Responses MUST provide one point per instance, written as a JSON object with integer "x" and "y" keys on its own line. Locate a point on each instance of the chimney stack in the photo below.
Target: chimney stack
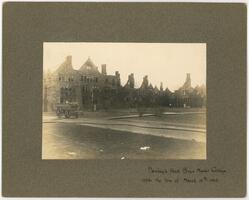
{"x": 103, "y": 69}
{"x": 117, "y": 74}
{"x": 161, "y": 86}
{"x": 131, "y": 80}
{"x": 69, "y": 60}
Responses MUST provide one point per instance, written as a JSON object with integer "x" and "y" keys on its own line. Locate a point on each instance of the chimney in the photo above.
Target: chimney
{"x": 103, "y": 69}
{"x": 117, "y": 74}
{"x": 69, "y": 60}
{"x": 188, "y": 79}
{"x": 161, "y": 86}
{"x": 131, "y": 80}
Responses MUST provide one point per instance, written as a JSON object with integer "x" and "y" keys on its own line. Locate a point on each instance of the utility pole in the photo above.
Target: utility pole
{"x": 93, "y": 105}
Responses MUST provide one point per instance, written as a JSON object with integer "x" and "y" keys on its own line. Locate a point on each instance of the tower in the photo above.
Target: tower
{"x": 187, "y": 84}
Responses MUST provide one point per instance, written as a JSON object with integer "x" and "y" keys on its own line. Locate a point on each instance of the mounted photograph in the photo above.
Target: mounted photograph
{"x": 124, "y": 101}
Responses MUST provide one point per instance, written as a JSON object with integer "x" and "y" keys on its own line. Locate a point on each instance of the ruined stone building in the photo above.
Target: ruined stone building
{"x": 187, "y": 96}
{"x": 93, "y": 89}
{"x": 84, "y": 86}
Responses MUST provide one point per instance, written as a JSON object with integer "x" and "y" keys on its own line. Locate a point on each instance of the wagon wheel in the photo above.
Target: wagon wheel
{"x": 67, "y": 114}
{"x": 76, "y": 115}
{"x": 58, "y": 113}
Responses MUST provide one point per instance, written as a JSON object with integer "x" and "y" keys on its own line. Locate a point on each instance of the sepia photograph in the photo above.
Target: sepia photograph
{"x": 124, "y": 101}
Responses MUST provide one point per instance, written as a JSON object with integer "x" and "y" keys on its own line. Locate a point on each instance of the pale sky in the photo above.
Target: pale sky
{"x": 162, "y": 62}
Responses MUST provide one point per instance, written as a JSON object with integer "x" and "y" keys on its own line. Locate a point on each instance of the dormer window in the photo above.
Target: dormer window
{"x": 88, "y": 67}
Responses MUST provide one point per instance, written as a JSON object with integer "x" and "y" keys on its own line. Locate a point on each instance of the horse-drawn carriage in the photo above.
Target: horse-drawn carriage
{"x": 68, "y": 110}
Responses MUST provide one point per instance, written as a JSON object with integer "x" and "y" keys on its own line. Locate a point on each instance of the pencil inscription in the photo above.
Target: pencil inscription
{"x": 184, "y": 175}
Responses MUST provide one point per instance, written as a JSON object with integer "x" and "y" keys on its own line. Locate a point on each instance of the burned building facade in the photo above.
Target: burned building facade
{"x": 86, "y": 86}
{"x": 94, "y": 90}
{"x": 187, "y": 96}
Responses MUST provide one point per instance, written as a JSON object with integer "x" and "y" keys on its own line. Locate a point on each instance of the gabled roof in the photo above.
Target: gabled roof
{"x": 156, "y": 89}
{"x": 89, "y": 67}
{"x": 167, "y": 90}
{"x": 151, "y": 86}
